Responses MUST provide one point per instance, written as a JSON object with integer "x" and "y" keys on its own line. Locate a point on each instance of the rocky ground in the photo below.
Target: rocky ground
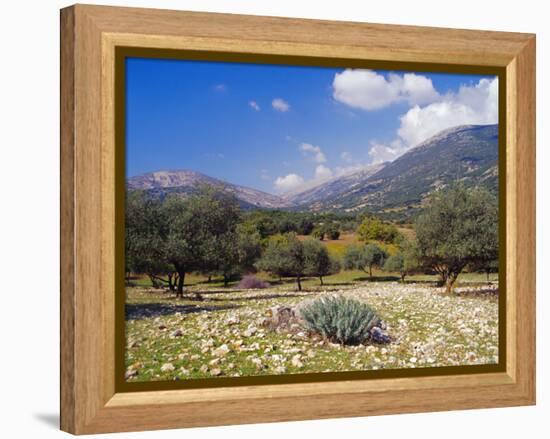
{"x": 226, "y": 334}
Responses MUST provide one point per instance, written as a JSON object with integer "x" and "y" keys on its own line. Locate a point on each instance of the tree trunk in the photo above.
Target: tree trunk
{"x": 209, "y": 278}
{"x": 402, "y": 278}
{"x": 225, "y": 280}
{"x": 370, "y": 272}
{"x": 171, "y": 284}
{"x": 450, "y": 281}
{"x": 181, "y": 280}
{"x": 299, "y": 283}
{"x": 321, "y": 279}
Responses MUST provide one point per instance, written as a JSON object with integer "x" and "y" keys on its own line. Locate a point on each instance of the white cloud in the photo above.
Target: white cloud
{"x": 264, "y": 175}
{"x": 368, "y": 90}
{"x": 315, "y": 151}
{"x": 346, "y": 156}
{"x": 322, "y": 173}
{"x": 289, "y": 183}
{"x": 254, "y": 105}
{"x": 471, "y": 105}
{"x": 220, "y": 87}
{"x": 475, "y": 104}
{"x": 280, "y": 105}
{"x": 380, "y": 153}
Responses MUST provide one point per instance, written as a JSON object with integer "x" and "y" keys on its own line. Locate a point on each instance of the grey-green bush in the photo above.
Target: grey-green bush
{"x": 340, "y": 319}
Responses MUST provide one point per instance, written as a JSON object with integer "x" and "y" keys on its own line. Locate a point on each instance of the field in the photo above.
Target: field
{"x": 224, "y": 334}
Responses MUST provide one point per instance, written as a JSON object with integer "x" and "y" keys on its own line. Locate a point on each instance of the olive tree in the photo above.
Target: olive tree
{"x": 201, "y": 233}
{"x": 284, "y": 256}
{"x": 146, "y": 232}
{"x": 364, "y": 257}
{"x": 458, "y": 227}
{"x": 318, "y": 262}
{"x": 405, "y": 262}
{"x": 372, "y": 229}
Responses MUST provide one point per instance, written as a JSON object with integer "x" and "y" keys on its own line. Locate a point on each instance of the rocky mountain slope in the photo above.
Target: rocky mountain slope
{"x": 465, "y": 153}
{"x": 185, "y": 182}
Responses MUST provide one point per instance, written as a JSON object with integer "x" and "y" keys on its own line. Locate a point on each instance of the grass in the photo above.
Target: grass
{"x": 434, "y": 329}
{"x": 343, "y": 278}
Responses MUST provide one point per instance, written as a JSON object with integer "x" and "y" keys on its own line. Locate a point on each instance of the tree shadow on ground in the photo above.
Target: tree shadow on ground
{"x": 335, "y": 284}
{"x": 377, "y": 279}
{"x": 465, "y": 292}
{"x": 433, "y": 283}
{"x": 260, "y": 296}
{"x": 151, "y": 310}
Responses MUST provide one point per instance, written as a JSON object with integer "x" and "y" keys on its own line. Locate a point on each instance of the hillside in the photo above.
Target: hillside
{"x": 185, "y": 182}
{"x": 393, "y": 189}
{"x": 333, "y": 187}
{"x": 466, "y": 153}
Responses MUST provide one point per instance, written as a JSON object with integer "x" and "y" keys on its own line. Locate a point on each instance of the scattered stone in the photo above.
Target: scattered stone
{"x": 131, "y": 373}
{"x": 232, "y": 320}
{"x": 222, "y": 351}
{"x": 296, "y": 361}
{"x": 250, "y": 331}
{"x": 257, "y": 362}
{"x": 176, "y": 333}
{"x": 379, "y": 336}
{"x": 215, "y": 372}
{"x": 167, "y": 367}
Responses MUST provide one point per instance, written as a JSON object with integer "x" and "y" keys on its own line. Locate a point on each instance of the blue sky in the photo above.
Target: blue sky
{"x": 284, "y": 128}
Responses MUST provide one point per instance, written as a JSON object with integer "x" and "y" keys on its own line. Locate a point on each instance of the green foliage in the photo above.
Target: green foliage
{"x": 317, "y": 260}
{"x": 146, "y": 233}
{"x": 269, "y": 223}
{"x": 340, "y": 319}
{"x": 459, "y": 227}
{"x": 395, "y": 263}
{"x": 405, "y": 262}
{"x": 318, "y": 232}
{"x": 284, "y": 256}
{"x": 372, "y": 229}
{"x": 328, "y": 230}
{"x": 332, "y": 231}
{"x": 198, "y": 233}
{"x": 363, "y": 257}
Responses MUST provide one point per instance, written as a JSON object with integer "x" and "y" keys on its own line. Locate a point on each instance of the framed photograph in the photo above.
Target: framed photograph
{"x": 268, "y": 219}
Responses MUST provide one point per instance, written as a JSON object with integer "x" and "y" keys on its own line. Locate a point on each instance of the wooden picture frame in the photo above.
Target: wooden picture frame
{"x": 90, "y": 36}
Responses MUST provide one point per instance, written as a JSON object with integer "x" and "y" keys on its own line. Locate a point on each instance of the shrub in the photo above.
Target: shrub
{"x": 340, "y": 319}
{"x": 372, "y": 229}
{"x": 251, "y": 282}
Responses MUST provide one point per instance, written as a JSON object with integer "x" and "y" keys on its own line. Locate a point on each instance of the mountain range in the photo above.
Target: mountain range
{"x": 467, "y": 153}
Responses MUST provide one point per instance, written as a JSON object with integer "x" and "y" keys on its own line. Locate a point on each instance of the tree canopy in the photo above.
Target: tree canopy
{"x": 458, "y": 227}
{"x": 318, "y": 261}
{"x": 372, "y": 229}
{"x": 363, "y": 257}
{"x": 284, "y": 256}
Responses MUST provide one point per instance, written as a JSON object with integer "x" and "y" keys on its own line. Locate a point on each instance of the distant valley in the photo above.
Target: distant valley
{"x": 394, "y": 189}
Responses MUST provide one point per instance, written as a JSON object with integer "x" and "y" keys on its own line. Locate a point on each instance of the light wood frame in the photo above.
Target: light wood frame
{"x": 89, "y": 36}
